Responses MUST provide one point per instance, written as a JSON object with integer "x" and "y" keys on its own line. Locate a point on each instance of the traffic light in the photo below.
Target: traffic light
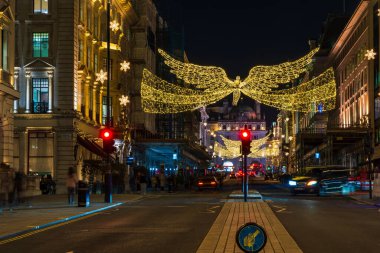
{"x": 108, "y": 140}
{"x": 245, "y": 137}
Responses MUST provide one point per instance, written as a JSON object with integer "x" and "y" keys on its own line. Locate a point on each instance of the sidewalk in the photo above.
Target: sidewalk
{"x": 48, "y": 210}
{"x": 363, "y": 197}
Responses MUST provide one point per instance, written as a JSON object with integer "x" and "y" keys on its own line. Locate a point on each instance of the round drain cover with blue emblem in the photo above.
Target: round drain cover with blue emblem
{"x": 251, "y": 237}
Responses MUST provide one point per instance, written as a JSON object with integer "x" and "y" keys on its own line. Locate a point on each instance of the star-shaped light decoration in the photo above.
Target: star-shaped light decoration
{"x": 114, "y": 25}
{"x": 101, "y": 76}
{"x": 370, "y": 54}
{"x": 124, "y": 66}
{"x": 124, "y": 100}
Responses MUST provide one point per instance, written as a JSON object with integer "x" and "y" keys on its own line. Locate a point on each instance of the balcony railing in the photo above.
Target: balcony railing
{"x": 40, "y": 107}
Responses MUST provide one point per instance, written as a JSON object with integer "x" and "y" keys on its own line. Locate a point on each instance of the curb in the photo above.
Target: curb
{"x": 8, "y": 236}
{"x": 367, "y": 202}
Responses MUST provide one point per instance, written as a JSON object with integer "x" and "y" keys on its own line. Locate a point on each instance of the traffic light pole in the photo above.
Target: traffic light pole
{"x": 245, "y": 178}
{"x": 108, "y": 173}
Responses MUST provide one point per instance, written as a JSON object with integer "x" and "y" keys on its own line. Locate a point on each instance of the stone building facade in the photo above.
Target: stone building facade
{"x": 61, "y": 46}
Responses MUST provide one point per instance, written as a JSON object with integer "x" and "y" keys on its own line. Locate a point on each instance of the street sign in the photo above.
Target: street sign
{"x": 251, "y": 237}
{"x": 130, "y": 160}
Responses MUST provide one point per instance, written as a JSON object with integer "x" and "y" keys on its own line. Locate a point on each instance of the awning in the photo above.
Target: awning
{"x": 91, "y": 146}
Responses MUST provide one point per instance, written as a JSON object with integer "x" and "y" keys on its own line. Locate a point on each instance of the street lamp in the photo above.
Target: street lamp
{"x": 108, "y": 173}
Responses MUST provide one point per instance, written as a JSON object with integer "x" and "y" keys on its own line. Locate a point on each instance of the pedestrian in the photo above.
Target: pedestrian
{"x": 17, "y": 187}
{"x": 154, "y": 181}
{"x": 143, "y": 182}
{"x": 71, "y": 184}
{"x": 162, "y": 181}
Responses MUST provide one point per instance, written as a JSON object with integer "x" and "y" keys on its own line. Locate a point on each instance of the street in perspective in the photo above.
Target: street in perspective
{"x": 189, "y": 126}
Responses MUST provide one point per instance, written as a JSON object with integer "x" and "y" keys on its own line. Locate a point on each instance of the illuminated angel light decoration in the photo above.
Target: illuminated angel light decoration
{"x": 370, "y": 54}
{"x": 101, "y": 76}
{"x": 114, "y": 25}
{"x": 125, "y": 66}
{"x": 231, "y": 148}
{"x": 208, "y": 84}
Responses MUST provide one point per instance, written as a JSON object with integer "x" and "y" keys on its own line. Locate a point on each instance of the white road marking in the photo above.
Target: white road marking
{"x": 211, "y": 209}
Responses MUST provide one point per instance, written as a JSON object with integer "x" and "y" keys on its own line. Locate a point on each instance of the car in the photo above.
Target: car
{"x": 232, "y": 175}
{"x": 207, "y": 182}
{"x": 321, "y": 181}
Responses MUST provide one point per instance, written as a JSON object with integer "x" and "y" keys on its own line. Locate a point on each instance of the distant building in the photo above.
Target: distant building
{"x": 227, "y": 121}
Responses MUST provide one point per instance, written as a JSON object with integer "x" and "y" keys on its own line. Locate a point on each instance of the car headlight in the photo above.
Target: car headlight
{"x": 292, "y": 183}
{"x": 312, "y": 182}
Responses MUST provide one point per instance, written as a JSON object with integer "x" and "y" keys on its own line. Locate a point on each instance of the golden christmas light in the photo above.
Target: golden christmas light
{"x": 370, "y": 54}
{"x": 114, "y": 25}
{"x": 124, "y": 100}
{"x": 208, "y": 84}
{"x": 125, "y": 66}
{"x": 101, "y": 76}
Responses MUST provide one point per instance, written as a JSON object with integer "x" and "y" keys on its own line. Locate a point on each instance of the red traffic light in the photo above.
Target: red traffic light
{"x": 245, "y": 135}
{"x": 106, "y": 134}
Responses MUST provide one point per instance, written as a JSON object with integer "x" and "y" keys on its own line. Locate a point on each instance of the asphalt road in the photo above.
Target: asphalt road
{"x": 159, "y": 223}
{"x": 179, "y": 222}
{"x": 326, "y": 224}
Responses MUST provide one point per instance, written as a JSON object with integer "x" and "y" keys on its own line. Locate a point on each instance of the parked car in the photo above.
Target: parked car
{"x": 209, "y": 182}
{"x": 321, "y": 181}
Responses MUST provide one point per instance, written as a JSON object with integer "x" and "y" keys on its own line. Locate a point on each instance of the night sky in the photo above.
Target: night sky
{"x": 237, "y": 35}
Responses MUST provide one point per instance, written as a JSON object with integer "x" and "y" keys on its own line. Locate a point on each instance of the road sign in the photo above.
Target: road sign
{"x": 130, "y": 160}
{"x": 251, "y": 237}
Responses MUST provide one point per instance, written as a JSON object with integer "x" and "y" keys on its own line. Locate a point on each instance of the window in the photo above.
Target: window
{"x": 95, "y": 63}
{"x": 105, "y": 66}
{"x": 89, "y": 56}
{"x": 80, "y": 51}
{"x": 96, "y": 26}
{"x": 89, "y": 18}
{"x": 4, "y": 49}
{"x": 41, "y": 152}
{"x": 40, "y": 95}
{"x": 81, "y": 10}
{"x": 41, "y": 6}
{"x": 40, "y": 44}
{"x": 104, "y": 110}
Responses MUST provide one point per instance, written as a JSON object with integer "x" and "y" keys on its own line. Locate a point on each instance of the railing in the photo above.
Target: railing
{"x": 40, "y": 107}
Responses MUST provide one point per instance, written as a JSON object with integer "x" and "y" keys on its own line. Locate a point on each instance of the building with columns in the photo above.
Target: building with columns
{"x": 61, "y": 46}
{"x": 8, "y": 82}
{"x": 227, "y": 121}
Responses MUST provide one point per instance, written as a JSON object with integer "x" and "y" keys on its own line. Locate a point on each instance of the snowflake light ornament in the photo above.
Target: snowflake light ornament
{"x": 101, "y": 76}
{"x": 370, "y": 54}
{"x": 114, "y": 25}
{"x": 124, "y": 100}
{"x": 125, "y": 66}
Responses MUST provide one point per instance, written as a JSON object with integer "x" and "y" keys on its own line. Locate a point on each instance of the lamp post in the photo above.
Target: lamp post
{"x": 108, "y": 173}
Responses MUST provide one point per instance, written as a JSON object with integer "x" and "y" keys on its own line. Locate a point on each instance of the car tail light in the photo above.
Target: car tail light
{"x": 200, "y": 183}
{"x": 213, "y": 182}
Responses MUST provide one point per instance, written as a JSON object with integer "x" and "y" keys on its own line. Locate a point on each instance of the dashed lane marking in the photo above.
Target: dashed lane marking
{"x": 211, "y": 209}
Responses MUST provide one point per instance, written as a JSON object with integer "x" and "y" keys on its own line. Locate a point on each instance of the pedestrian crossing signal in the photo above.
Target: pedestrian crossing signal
{"x": 245, "y": 137}
{"x": 107, "y": 136}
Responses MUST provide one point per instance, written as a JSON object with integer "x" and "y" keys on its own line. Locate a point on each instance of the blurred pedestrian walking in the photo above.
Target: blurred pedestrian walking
{"x": 71, "y": 184}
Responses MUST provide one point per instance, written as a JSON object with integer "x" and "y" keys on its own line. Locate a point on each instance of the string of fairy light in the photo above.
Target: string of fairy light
{"x": 208, "y": 84}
